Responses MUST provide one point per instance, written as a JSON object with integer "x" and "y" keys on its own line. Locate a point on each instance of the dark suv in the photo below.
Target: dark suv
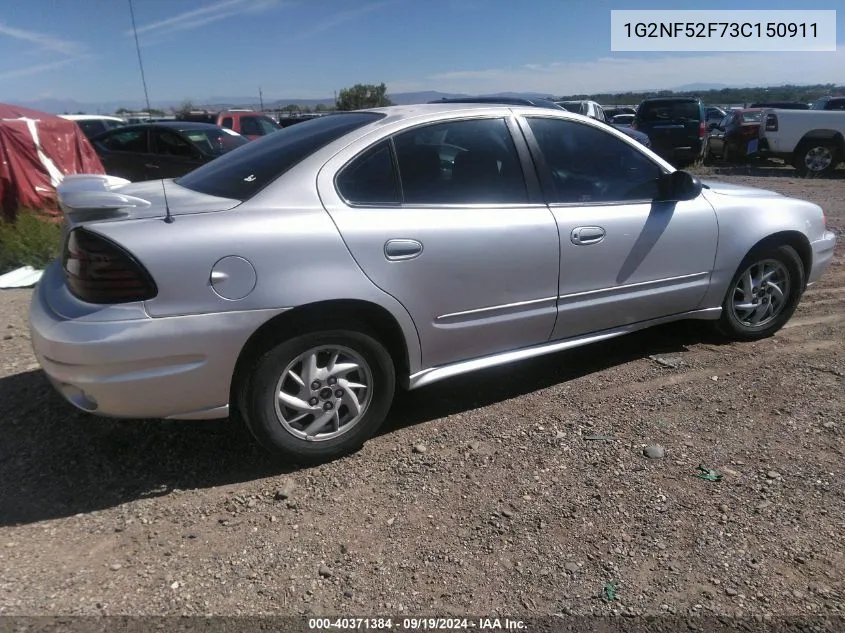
{"x": 829, "y": 103}
{"x": 675, "y": 125}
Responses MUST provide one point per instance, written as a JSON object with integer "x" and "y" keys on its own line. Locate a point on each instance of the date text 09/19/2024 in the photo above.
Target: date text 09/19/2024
{"x": 416, "y": 624}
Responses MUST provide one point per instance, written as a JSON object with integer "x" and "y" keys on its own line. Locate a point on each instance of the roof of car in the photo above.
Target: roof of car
{"x": 176, "y": 125}
{"x": 90, "y": 117}
{"x": 528, "y": 101}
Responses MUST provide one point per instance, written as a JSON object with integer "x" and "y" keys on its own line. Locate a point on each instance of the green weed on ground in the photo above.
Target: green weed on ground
{"x": 32, "y": 240}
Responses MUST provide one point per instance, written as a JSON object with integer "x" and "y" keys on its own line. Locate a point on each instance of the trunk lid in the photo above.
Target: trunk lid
{"x": 93, "y": 197}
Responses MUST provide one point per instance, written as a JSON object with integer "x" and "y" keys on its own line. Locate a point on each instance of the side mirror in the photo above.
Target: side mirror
{"x": 677, "y": 187}
{"x": 712, "y": 125}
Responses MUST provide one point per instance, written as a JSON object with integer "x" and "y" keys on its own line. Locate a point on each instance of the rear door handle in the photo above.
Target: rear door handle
{"x": 584, "y": 235}
{"x": 151, "y": 166}
{"x": 401, "y": 249}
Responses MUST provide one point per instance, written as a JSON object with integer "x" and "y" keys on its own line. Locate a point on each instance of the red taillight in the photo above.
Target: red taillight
{"x": 702, "y": 130}
{"x": 771, "y": 122}
{"x": 99, "y": 271}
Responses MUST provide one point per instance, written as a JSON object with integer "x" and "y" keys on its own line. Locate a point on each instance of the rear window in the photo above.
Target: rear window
{"x": 669, "y": 111}
{"x": 752, "y": 117}
{"x": 246, "y": 171}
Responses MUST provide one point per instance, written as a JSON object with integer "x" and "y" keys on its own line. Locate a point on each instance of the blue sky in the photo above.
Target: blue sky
{"x": 197, "y": 49}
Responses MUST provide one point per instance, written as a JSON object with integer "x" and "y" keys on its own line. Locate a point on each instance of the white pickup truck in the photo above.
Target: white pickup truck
{"x": 812, "y": 141}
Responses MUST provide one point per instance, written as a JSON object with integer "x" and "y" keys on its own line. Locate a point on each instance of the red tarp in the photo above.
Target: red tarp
{"x": 36, "y": 151}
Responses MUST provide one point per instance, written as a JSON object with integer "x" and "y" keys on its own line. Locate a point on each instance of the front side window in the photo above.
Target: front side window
{"x": 460, "y": 162}
{"x": 591, "y": 165}
{"x": 250, "y": 127}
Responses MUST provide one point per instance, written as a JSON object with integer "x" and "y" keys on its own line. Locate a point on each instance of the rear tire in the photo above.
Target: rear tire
{"x": 763, "y": 293}
{"x": 816, "y": 158}
{"x": 318, "y": 396}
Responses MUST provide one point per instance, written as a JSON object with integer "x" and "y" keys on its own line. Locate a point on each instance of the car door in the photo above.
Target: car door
{"x": 440, "y": 217}
{"x": 716, "y": 136}
{"x": 125, "y": 152}
{"x": 174, "y": 155}
{"x": 624, "y": 258}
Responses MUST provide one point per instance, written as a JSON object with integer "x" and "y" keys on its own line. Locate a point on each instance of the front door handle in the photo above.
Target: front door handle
{"x": 151, "y": 166}
{"x": 401, "y": 249}
{"x": 583, "y": 235}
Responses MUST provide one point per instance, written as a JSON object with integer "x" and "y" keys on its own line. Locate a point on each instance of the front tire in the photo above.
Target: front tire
{"x": 763, "y": 293}
{"x": 319, "y": 396}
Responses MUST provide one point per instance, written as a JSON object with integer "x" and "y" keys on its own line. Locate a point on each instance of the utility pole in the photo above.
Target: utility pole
{"x": 261, "y": 98}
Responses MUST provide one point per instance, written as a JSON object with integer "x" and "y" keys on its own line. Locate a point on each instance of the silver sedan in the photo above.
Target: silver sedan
{"x": 298, "y": 281}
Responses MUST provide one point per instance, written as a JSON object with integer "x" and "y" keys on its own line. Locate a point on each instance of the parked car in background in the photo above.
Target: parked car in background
{"x": 163, "y": 150}
{"x": 585, "y": 107}
{"x": 675, "y": 125}
{"x": 528, "y": 241}
{"x": 735, "y": 137}
{"x": 247, "y": 123}
{"x": 94, "y": 124}
{"x": 809, "y": 140}
{"x": 714, "y": 114}
{"x": 781, "y": 105}
{"x": 612, "y": 111}
{"x": 622, "y": 119}
{"x": 292, "y": 119}
{"x": 528, "y": 101}
{"x": 829, "y": 103}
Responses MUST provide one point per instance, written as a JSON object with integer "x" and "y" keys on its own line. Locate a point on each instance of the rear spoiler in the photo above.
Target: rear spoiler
{"x": 85, "y": 197}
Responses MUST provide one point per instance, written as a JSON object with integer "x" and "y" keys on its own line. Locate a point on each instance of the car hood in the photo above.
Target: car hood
{"x": 725, "y": 189}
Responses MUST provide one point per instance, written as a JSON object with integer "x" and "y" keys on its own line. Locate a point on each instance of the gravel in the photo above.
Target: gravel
{"x": 480, "y": 496}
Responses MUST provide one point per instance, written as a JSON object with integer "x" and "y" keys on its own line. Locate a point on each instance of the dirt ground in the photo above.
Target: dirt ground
{"x": 531, "y": 494}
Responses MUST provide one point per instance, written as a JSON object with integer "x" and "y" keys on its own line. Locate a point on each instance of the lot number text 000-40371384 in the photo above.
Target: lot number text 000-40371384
{"x": 685, "y": 30}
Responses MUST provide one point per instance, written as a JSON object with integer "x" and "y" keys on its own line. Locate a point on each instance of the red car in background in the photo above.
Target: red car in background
{"x": 247, "y": 123}
{"x": 735, "y": 137}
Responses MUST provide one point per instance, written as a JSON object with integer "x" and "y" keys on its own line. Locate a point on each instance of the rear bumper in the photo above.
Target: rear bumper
{"x": 822, "y": 254}
{"x": 170, "y": 367}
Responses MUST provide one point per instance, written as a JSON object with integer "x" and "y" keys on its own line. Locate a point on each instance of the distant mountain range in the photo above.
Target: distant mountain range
{"x": 60, "y": 106}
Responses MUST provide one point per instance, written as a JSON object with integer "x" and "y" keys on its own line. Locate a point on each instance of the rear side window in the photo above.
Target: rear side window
{"x": 669, "y": 111}
{"x": 460, "y": 162}
{"x": 246, "y": 171}
{"x": 135, "y": 141}
{"x": 370, "y": 178}
{"x": 92, "y": 128}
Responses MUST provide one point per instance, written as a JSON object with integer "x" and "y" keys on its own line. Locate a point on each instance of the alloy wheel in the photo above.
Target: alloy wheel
{"x": 818, "y": 158}
{"x": 761, "y": 293}
{"x": 323, "y": 393}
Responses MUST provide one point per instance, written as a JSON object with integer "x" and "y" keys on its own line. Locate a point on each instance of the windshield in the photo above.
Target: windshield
{"x": 214, "y": 141}
{"x": 242, "y": 174}
{"x": 669, "y": 111}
